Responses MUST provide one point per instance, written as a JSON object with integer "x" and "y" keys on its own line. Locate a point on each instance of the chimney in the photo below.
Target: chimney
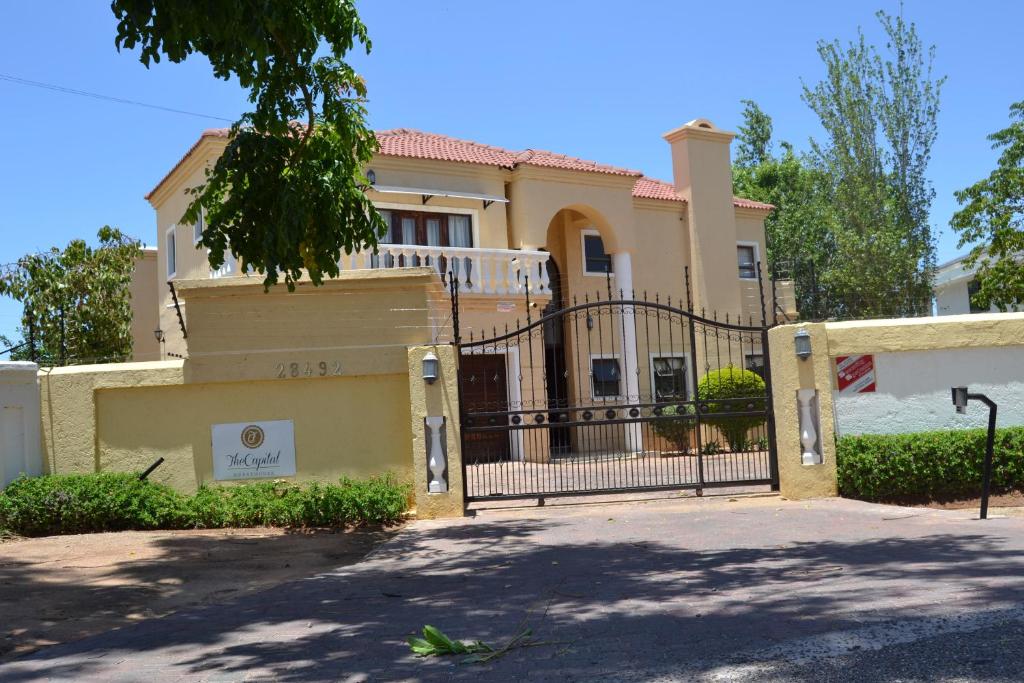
{"x": 702, "y": 174}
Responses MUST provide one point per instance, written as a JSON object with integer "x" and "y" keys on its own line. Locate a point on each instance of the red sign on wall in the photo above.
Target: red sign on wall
{"x": 855, "y": 374}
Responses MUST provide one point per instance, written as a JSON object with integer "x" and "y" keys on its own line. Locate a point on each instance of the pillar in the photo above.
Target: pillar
{"x": 622, "y": 266}
{"x": 806, "y": 470}
{"x": 434, "y": 409}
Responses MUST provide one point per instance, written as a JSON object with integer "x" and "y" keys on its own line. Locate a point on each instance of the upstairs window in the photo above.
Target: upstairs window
{"x": 171, "y": 251}
{"x": 747, "y": 256}
{"x": 197, "y": 229}
{"x": 972, "y": 289}
{"x": 595, "y": 260}
{"x": 427, "y": 229}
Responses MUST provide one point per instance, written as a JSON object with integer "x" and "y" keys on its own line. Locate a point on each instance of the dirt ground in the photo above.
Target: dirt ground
{"x": 62, "y": 588}
{"x": 1011, "y": 504}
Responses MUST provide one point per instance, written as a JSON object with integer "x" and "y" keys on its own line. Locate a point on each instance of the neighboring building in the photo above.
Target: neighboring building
{"x": 953, "y": 288}
{"x": 575, "y": 227}
{"x": 145, "y": 307}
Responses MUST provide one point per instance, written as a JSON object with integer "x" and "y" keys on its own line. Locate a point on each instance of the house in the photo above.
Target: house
{"x": 954, "y": 286}
{"x": 528, "y": 232}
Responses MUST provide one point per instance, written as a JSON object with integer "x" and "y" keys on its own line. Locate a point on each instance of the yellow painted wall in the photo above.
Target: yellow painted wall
{"x": 352, "y": 426}
{"x": 858, "y": 337}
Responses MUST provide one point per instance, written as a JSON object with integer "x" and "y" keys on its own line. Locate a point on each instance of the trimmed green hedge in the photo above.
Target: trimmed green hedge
{"x": 927, "y": 465}
{"x": 88, "y": 503}
{"x": 732, "y": 382}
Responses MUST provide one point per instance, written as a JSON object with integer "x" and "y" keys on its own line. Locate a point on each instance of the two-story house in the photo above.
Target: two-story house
{"x": 565, "y": 229}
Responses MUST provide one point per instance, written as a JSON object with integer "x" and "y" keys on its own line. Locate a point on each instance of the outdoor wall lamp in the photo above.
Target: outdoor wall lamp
{"x": 802, "y": 341}
{"x": 430, "y": 365}
{"x": 159, "y": 334}
{"x": 371, "y": 176}
{"x": 960, "y": 398}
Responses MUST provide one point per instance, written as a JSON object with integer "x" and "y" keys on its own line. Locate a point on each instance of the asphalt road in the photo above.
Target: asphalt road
{"x": 753, "y": 590}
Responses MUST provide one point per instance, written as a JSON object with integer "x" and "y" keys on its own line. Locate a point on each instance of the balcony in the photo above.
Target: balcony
{"x": 479, "y": 271}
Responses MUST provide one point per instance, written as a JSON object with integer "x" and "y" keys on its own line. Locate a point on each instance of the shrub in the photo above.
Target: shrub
{"x": 731, "y": 382}
{"x": 85, "y": 503}
{"x": 677, "y": 429}
{"x": 940, "y": 465}
{"x": 76, "y": 504}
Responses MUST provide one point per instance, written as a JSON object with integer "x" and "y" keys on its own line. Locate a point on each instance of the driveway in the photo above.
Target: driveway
{"x": 674, "y": 590}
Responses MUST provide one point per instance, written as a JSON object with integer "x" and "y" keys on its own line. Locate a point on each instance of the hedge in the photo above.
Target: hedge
{"x": 732, "y": 382}
{"x": 88, "y": 503}
{"x": 944, "y": 465}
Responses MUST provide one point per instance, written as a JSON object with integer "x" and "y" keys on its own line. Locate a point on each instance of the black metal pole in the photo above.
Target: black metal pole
{"x": 986, "y": 480}
{"x": 30, "y": 320}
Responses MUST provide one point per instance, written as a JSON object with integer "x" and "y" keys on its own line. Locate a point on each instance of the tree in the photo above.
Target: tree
{"x": 78, "y": 300}
{"x": 287, "y": 195}
{"x": 755, "y": 137}
{"x": 798, "y": 231}
{"x": 992, "y": 218}
{"x": 879, "y": 117}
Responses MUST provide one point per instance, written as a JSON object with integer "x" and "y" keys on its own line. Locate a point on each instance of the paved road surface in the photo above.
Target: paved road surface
{"x": 757, "y": 589}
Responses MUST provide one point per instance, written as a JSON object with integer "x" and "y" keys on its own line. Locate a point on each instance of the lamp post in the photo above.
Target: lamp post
{"x": 960, "y": 399}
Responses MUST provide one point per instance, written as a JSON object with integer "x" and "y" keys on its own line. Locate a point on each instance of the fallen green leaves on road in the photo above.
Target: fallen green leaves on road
{"x": 435, "y": 643}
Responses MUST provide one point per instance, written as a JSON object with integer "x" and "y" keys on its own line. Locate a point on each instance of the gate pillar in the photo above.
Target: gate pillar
{"x": 436, "y": 442}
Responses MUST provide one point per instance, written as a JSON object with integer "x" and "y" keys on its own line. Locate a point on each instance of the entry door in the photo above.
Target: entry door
{"x": 485, "y": 390}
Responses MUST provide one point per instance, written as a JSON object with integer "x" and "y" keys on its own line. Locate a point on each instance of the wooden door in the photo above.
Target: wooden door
{"x": 485, "y": 390}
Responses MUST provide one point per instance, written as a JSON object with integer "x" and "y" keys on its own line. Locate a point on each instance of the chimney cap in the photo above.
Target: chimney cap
{"x": 701, "y": 129}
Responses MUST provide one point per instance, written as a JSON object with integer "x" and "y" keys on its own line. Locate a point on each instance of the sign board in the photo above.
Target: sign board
{"x": 506, "y": 307}
{"x": 254, "y": 450}
{"x": 855, "y": 374}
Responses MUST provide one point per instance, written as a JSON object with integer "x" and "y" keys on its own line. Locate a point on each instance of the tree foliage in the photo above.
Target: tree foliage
{"x": 89, "y": 288}
{"x": 799, "y": 230}
{"x": 992, "y": 218}
{"x": 287, "y": 195}
{"x": 879, "y": 116}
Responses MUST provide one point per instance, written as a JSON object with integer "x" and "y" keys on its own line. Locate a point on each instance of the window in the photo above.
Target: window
{"x": 972, "y": 289}
{"x": 595, "y": 261}
{"x": 197, "y": 229}
{"x": 755, "y": 363}
{"x": 605, "y": 375}
{"x": 427, "y": 229}
{"x": 172, "y": 260}
{"x": 747, "y": 256}
{"x": 669, "y": 378}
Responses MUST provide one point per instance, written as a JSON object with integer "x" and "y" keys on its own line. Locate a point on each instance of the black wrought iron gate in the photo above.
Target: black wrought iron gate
{"x": 616, "y": 395}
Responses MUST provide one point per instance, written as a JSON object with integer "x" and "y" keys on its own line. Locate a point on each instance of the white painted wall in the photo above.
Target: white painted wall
{"x": 913, "y": 391}
{"x": 20, "y": 447}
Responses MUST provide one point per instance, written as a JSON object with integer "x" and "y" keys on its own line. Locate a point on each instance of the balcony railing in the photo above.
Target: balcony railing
{"x": 478, "y": 271}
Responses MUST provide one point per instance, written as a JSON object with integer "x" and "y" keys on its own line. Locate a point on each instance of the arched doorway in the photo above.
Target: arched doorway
{"x": 555, "y": 368}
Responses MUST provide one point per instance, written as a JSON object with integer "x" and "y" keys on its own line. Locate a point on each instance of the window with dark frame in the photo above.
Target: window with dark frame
{"x": 427, "y": 229}
{"x": 755, "y": 363}
{"x": 670, "y": 378}
{"x": 605, "y": 374}
{"x": 747, "y": 261}
{"x": 972, "y": 289}
{"x": 595, "y": 260}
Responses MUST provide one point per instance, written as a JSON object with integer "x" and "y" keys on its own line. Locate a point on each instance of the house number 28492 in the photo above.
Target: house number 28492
{"x": 308, "y": 369}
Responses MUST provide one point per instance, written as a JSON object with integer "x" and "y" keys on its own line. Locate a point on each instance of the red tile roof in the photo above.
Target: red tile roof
{"x": 649, "y": 188}
{"x": 405, "y": 142}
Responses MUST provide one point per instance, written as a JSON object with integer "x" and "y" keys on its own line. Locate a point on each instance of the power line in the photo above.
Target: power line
{"x": 106, "y": 98}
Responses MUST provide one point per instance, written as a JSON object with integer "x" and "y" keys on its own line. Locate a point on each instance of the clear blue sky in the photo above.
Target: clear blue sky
{"x": 572, "y": 77}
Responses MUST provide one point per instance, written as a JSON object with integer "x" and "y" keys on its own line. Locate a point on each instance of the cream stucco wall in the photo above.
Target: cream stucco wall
{"x": 145, "y": 302}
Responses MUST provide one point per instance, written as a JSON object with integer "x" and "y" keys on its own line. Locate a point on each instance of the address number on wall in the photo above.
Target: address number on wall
{"x": 321, "y": 368}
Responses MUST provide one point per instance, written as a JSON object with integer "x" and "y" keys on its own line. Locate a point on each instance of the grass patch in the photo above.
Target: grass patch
{"x": 924, "y": 466}
{"x": 89, "y": 503}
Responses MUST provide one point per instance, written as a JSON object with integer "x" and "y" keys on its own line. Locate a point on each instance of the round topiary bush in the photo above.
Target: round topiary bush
{"x": 677, "y": 429}
{"x": 732, "y": 382}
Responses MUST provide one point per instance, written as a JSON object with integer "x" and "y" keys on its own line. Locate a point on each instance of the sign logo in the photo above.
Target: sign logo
{"x": 855, "y": 374}
{"x": 252, "y": 436}
{"x": 253, "y": 450}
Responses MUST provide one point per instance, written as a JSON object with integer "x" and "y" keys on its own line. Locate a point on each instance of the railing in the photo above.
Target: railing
{"x": 478, "y": 271}
{"x": 228, "y": 268}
